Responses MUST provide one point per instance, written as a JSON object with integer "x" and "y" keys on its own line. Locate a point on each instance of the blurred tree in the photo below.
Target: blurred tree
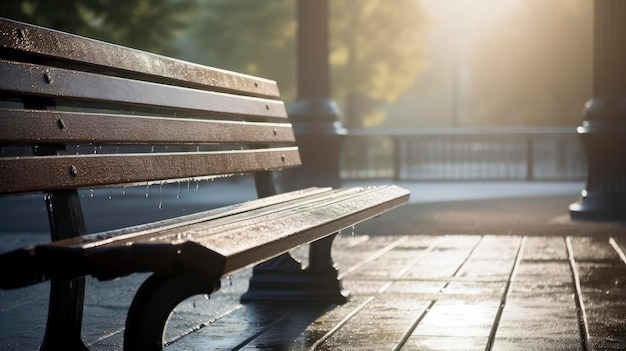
{"x": 144, "y": 24}
{"x": 375, "y": 55}
{"x": 535, "y": 69}
{"x": 256, "y": 37}
{"x": 375, "y": 48}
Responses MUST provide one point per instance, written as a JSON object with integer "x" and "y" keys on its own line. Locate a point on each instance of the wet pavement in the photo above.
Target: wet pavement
{"x": 489, "y": 273}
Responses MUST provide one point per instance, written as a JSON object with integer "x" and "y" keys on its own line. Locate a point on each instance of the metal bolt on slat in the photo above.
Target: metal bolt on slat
{"x": 73, "y": 171}
{"x": 47, "y": 77}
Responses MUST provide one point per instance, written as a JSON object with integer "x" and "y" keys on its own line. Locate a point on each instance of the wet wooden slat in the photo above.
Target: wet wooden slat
{"x": 23, "y": 174}
{"x": 39, "y": 126}
{"x": 51, "y": 82}
{"x": 27, "y": 39}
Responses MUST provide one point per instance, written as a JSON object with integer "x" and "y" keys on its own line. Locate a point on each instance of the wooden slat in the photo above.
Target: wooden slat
{"x": 28, "y": 39}
{"x": 23, "y": 78}
{"x": 303, "y": 226}
{"x": 129, "y": 234}
{"x": 26, "y": 174}
{"x": 257, "y": 211}
{"x": 39, "y": 126}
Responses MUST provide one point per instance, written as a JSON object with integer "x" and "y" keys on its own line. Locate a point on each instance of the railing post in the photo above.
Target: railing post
{"x": 397, "y": 157}
{"x": 603, "y": 133}
{"x": 530, "y": 159}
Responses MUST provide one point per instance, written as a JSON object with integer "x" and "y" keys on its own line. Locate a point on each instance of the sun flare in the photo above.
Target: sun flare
{"x": 468, "y": 17}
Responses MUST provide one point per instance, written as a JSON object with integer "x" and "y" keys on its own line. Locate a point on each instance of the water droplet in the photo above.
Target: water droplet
{"x": 193, "y": 304}
{"x": 90, "y": 192}
{"x": 178, "y": 193}
{"x": 353, "y": 232}
{"x": 152, "y": 149}
{"x": 197, "y": 148}
{"x": 147, "y": 190}
{"x": 207, "y": 296}
{"x": 188, "y": 185}
{"x": 230, "y": 280}
{"x": 197, "y": 185}
{"x": 124, "y": 190}
{"x": 161, "y": 195}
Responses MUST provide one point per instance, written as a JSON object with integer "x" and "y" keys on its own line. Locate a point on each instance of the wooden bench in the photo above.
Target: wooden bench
{"x": 59, "y": 91}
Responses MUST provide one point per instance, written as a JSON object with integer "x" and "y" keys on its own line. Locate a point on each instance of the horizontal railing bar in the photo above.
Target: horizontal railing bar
{"x": 464, "y": 154}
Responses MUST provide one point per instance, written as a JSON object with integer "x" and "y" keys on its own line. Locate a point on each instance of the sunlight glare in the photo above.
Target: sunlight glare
{"x": 468, "y": 17}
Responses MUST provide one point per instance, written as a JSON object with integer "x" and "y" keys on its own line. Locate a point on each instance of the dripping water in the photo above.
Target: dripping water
{"x": 161, "y": 195}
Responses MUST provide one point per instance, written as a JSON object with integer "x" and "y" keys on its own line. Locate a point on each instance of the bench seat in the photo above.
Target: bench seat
{"x": 214, "y": 243}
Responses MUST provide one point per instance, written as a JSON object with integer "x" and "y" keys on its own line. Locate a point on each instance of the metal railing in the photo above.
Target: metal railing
{"x": 553, "y": 153}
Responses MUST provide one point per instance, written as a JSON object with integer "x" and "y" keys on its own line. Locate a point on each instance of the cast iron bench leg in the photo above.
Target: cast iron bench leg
{"x": 65, "y": 310}
{"x": 154, "y": 302}
{"x": 282, "y": 278}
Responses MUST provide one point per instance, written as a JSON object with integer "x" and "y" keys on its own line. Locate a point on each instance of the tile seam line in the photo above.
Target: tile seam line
{"x": 496, "y": 322}
{"x": 407, "y": 334}
{"x": 618, "y": 249}
{"x": 580, "y": 305}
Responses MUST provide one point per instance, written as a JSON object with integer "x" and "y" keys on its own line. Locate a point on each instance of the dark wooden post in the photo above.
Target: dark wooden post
{"x": 603, "y": 132}
{"x": 314, "y": 114}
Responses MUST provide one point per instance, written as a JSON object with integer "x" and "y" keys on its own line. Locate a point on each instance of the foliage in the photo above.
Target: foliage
{"x": 144, "y": 24}
{"x": 256, "y": 37}
{"x": 374, "y": 47}
{"x": 535, "y": 69}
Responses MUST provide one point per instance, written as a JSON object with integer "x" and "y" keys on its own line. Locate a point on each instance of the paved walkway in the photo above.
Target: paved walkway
{"x": 505, "y": 272}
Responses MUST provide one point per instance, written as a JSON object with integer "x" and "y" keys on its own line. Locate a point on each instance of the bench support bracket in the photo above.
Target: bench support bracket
{"x": 283, "y": 279}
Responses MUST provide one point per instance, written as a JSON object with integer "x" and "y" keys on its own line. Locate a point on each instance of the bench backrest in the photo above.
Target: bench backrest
{"x": 97, "y": 114}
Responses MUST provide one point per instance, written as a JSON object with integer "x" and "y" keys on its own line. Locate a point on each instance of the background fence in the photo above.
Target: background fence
{"x": 553, "y": 153}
